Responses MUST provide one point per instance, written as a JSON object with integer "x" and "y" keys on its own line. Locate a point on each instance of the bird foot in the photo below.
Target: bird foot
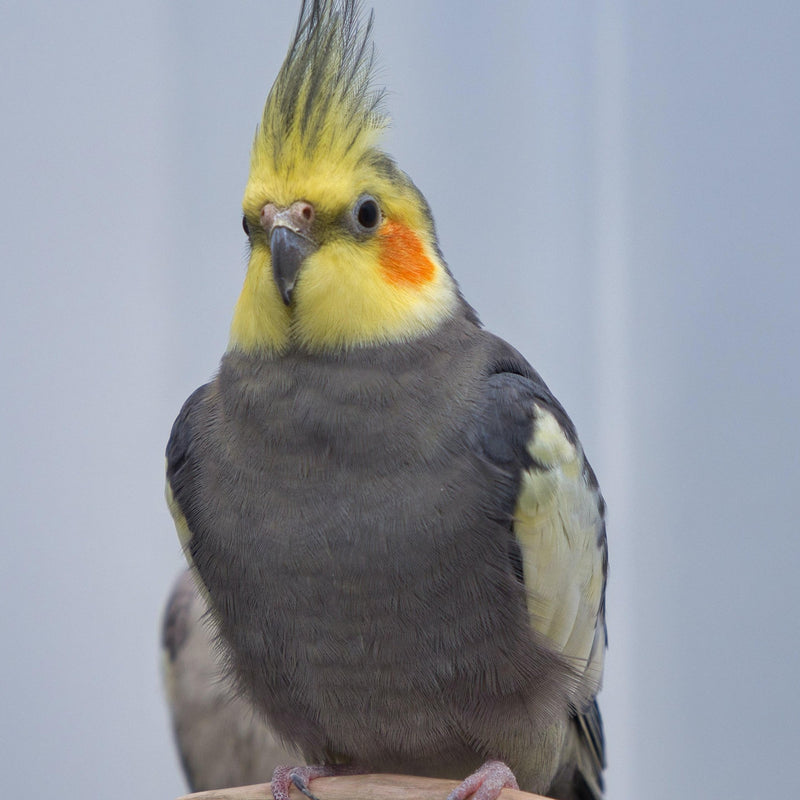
{"x": 486, "y": 783}
{"x": 285, "y": 777}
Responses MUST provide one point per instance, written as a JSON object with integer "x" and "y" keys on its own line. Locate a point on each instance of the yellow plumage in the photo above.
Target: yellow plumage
{"x": 554, "y": 522}
{"x": 322, "y": 117}
{"x": 318, "y": 142}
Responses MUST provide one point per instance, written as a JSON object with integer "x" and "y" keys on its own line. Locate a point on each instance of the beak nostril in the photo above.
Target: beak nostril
{"x": 299, "y": 217}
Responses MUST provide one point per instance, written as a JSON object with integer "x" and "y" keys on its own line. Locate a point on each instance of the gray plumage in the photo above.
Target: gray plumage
{"x": 401, "y": 540}
{"x": 222, "y": 741}
{"x": 367, "y": 524}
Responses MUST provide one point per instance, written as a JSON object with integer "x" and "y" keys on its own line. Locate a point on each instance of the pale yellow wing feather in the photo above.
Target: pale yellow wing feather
{"x": 559, "y": 528}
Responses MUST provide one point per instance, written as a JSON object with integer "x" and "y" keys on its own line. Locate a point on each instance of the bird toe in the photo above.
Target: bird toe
{"x": 486, "y": 783}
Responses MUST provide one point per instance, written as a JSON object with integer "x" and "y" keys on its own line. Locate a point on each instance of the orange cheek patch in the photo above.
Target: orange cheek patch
{"x": 402, "y": 257}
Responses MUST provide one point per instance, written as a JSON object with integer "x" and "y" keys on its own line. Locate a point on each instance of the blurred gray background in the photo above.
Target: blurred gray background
{"x": 616, "y": 188}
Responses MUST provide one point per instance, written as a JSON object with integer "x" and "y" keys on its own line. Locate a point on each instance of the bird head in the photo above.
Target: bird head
{"x": 343, "y": 250}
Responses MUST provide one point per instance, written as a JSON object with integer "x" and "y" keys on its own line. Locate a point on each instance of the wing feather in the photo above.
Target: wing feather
{"x": 558, "y": 522}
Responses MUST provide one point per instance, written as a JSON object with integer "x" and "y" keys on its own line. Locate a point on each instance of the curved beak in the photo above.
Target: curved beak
{"x": 289, "y": 250}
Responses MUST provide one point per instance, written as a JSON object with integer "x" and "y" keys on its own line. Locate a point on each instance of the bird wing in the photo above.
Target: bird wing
{"x": 221, "y": 738}
{"x": 559, "y": 525}
{"x": 181, "y": 484}
{"x": 557, "y": 517}
{"x": 559, "y": 553}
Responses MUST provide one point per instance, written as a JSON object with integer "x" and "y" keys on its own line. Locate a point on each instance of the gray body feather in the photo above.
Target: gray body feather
{"x": 221, "y": 738}
{"x": 352, "y": 518}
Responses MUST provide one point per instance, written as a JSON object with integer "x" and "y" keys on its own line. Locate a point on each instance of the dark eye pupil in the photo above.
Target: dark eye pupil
{"x": 245, "y": 226}
{"x": 368, "y": 214}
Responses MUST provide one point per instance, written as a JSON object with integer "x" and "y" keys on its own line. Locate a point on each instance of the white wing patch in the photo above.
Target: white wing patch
{"x": 557, "y": 523}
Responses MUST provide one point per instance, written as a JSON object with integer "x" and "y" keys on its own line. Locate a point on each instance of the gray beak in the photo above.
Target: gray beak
{"x": 288, "y": 250}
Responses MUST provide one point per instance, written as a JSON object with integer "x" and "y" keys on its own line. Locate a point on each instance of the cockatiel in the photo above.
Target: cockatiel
{"x": 222, "y": 740}
{"x": 401, "y": 539}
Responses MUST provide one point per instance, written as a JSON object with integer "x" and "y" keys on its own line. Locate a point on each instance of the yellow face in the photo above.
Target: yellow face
{"x": 343, "y": 252}
{"x": 373, "y": 274}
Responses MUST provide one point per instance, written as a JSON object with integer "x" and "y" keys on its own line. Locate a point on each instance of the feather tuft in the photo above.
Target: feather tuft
{"x": 323, "y": 104}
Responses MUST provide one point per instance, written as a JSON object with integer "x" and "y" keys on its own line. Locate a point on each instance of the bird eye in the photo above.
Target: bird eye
{"x": 245, "y": 225}
{"x": 367, "y": 213}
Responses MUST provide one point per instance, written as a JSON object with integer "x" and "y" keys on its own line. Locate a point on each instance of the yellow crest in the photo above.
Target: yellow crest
{"x": 322, "y": 107}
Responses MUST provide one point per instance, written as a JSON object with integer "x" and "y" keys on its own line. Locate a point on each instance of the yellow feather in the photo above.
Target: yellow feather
{"x": 323, "y": 114}
{"x": 182, "y": 526}
{"x": 556, "y": 525}
{"x": 318, "y": 142}
{"x": 261, "y": 320}
{"x": 344, "y": 301}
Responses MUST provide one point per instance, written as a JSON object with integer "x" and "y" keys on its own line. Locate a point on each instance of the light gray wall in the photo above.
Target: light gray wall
{"x": 615, "y": 186}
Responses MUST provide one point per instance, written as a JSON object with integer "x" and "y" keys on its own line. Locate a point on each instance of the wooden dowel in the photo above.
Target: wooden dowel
{"x": 359, "y": 787}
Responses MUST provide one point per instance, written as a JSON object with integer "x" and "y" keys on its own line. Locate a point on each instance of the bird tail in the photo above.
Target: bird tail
{"x": 583, "y": 758}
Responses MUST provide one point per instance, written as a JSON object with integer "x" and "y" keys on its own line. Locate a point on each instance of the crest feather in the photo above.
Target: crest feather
{"x": 323, "y": 103}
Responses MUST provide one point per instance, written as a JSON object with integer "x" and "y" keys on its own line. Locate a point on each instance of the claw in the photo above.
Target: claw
{"x": 486, "y": 783}
{"x": 300, "y": 777}
{"x": 303, "y": 786}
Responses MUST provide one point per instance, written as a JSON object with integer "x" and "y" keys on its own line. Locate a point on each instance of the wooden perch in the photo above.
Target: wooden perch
{"x": 359, "y": 787}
